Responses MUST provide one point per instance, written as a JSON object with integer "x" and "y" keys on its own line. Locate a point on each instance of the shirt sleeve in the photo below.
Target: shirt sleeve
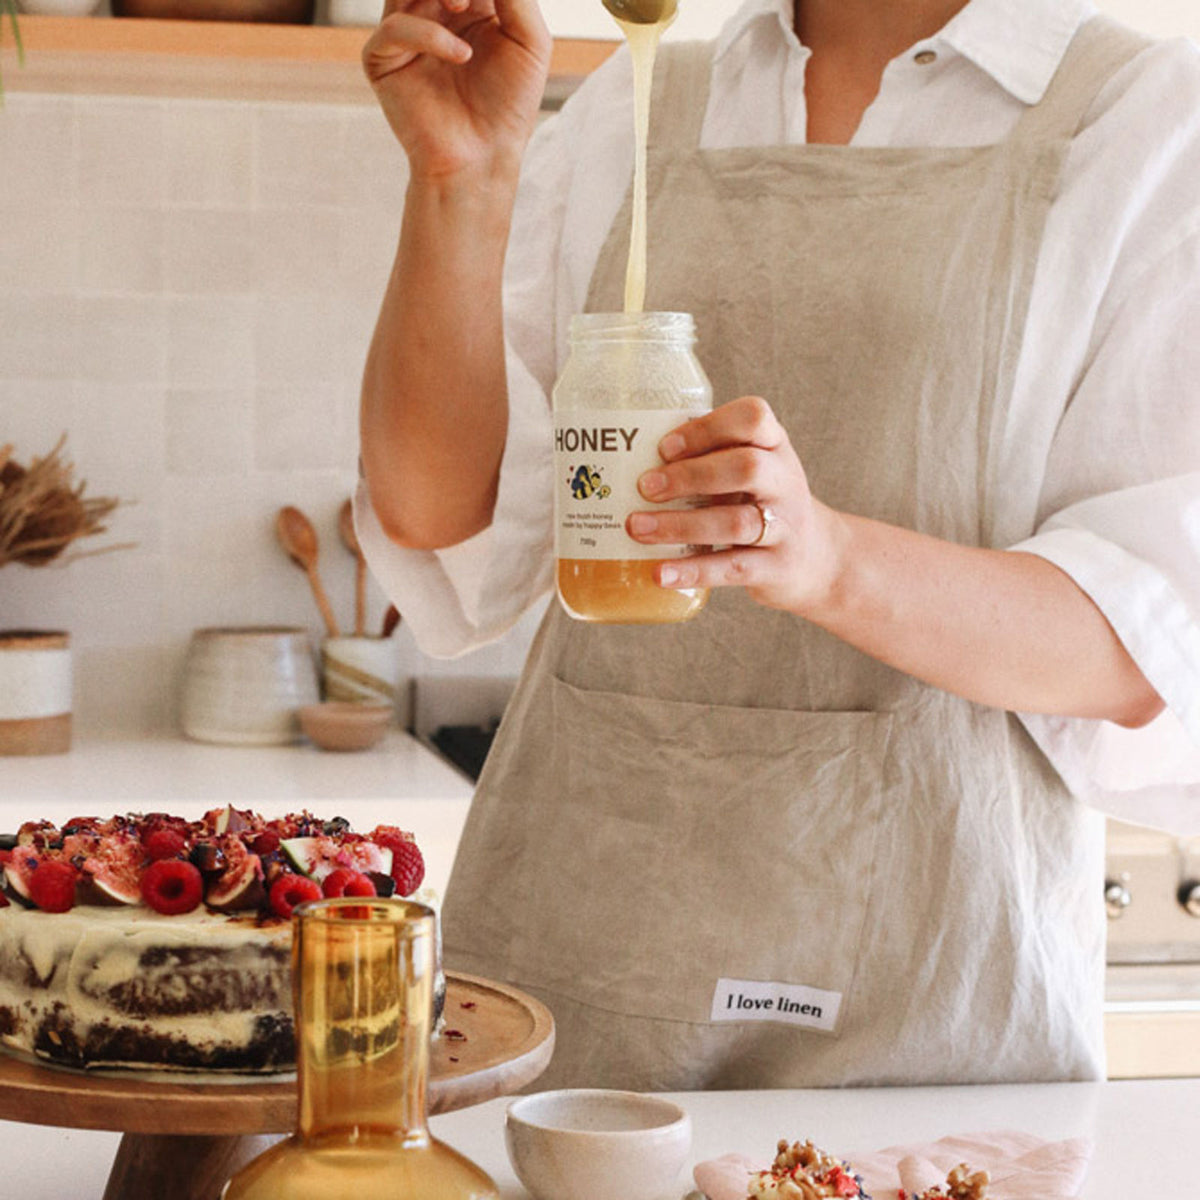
{"x": 1121, "y": 510}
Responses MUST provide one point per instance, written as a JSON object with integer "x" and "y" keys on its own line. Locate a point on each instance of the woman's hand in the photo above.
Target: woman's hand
{"x": 460, "y": 81}
{"x": 782, "y": 545}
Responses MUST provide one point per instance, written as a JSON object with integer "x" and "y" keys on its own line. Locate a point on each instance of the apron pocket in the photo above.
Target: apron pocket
{"x": 717, "y": 860}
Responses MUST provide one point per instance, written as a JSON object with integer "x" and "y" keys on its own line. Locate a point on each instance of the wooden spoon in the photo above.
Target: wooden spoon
{"x": 391, "y": 619}
{"x": 299, "y": 539}
{"x": 350, "y": 541}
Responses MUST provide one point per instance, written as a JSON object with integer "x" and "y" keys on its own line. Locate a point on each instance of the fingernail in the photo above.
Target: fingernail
{"x": 668, "y": 576}
{"x": 652, "y": 483}
{"x": 672, "y": 446}
{"x": 642, "y": 523}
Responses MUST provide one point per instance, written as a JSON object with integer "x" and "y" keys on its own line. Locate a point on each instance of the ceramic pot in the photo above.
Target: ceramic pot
{"x": 246, "y": 685}
{"x": 59, "y": 8}
{"x": 35, "y": 692}
{"x": 365, "y": 670}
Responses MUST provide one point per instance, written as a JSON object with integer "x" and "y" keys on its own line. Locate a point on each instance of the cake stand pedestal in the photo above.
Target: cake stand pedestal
{"x": 184, "y": 1136}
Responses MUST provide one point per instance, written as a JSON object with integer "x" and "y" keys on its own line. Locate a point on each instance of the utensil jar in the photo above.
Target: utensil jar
{"x": 363, "y": 975}
{"x": 629, "y": 379}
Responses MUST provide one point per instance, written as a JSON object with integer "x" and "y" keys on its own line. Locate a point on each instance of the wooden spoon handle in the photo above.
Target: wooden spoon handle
{"x": 331, "y": 625}
{"x": 360, "y": 595}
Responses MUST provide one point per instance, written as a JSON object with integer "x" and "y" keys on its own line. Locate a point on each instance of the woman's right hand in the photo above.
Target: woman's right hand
{"x": 460, "y": 81}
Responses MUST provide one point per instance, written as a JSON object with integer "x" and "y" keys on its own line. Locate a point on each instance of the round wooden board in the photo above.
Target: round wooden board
{"x": 496, "y": 1040}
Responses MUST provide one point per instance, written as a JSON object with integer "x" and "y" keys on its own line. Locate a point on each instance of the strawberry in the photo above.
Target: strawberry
{"x": 171, "y": 886}
{"x": 290, "y": 890}
{"x": 52, "y": 886}
{"x": 345, "y": 882}
{"x": 408, "y": 865}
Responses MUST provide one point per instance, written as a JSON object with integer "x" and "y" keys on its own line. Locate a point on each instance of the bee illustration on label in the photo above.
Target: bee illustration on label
{"x": 586, "y": 483}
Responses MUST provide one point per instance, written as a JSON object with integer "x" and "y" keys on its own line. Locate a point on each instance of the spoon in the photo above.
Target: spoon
{"x": 350, "y": 541}
{"x": 391, "y": 619}
{"x": 299, "y": 539}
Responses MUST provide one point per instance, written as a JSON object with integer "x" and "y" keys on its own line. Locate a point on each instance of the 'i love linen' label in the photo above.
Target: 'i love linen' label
{"x": 762, "y": 1000}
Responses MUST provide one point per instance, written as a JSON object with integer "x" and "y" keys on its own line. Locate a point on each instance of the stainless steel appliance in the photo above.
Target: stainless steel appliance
{"x": 1152, "y": 994}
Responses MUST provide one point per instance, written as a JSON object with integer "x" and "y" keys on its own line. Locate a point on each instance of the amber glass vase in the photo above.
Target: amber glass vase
{"x": 363, "y": 982}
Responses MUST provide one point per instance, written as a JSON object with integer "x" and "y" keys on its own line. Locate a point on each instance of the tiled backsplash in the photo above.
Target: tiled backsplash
{"x": 187, "y": 290}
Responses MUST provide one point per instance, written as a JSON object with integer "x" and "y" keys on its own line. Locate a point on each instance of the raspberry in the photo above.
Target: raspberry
{"x": 289, "y": 890}
{"x": 266, "y": 842}
{"x": 408, "y": 867}
{"x": 171, "y": 886}
{"x": 164, "y": 843}
{"x": 52, "y": 886}
{"x": 345, "y": 882}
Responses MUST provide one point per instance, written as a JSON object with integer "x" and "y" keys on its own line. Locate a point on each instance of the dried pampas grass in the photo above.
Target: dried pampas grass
{"x": 42, "y": 511}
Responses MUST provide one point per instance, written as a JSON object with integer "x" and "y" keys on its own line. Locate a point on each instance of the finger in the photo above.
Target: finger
{"x": 522, "y": 20}
{"x": 402, "y": 37}
{"x": 741, "y": 567}
{"x": 741, "y": 469}
{"x": 713, "y": 525}
{"x": 747, "y": 421}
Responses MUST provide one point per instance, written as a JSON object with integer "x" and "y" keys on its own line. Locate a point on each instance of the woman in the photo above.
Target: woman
{"x": 944, "y": 262}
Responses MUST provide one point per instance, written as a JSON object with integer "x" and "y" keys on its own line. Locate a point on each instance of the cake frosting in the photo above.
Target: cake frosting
{"x": 802, "y": 1172}
{"x": 151, "y": 942}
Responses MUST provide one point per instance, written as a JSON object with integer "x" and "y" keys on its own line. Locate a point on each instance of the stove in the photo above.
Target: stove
{"x": 1152, "y": 991}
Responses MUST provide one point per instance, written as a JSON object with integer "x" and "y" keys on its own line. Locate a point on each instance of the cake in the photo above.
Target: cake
{"x": 152, "y": 942}
{"x": 802, "y": 1172}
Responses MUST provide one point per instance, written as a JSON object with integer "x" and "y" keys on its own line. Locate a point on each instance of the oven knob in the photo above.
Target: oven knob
{"x": 1116, "y": 898}
{"x": 1189, "y": 896}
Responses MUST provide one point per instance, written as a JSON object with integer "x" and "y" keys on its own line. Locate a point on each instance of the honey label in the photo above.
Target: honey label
{"x": 598, "y": 456}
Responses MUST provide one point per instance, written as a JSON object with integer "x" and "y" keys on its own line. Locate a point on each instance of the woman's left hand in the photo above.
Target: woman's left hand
{"x": 780, "y": 543}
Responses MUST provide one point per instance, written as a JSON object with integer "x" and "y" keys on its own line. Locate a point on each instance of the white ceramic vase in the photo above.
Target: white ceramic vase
{"x": 35, "y": 692}
{"x": 246, "y": 685}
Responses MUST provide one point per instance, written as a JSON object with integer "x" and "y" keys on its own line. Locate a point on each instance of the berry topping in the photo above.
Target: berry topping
{"x": 164, "y": 843}
{"x": 171, "y": 886}
{"x": 289, "y": 890}
{"x": 345, "y": 882}
{"x": 52, "y": 886}
{"x": 264, "y": 843}
{"x": 408, "y": 866}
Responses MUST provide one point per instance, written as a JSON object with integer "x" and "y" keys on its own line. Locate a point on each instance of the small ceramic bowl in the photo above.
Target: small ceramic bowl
{"x": 596, "y": 1144}
{"x": 342, "y": 725}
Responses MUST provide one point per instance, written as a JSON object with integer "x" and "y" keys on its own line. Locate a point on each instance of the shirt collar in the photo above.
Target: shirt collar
{"x": 1019, "y": 43}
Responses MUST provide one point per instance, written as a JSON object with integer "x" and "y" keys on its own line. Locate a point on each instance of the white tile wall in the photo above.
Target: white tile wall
{"x": 187, "y": 289}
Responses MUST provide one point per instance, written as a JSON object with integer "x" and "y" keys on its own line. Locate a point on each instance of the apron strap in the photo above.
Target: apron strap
{"x": 679, "y": 94}
{"x": 1100, "y": 48}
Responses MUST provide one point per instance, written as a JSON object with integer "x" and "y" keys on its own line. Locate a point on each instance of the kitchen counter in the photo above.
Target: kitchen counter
{"x": 1140, "y": 1131}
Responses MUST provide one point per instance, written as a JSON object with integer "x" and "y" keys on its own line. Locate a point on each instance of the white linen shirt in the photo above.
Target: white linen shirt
{"x": 1104, "y": 423}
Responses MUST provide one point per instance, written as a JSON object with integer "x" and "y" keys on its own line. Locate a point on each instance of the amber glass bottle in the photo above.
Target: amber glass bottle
{"x": 363, "y": 979}
{"x": 629, "y": 379}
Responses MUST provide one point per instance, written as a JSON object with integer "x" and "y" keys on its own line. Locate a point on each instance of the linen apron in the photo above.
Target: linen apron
{"x": 738, "y": 852}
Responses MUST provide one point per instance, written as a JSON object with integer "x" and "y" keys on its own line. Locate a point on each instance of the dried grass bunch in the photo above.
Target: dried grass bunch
{"x": 42, "y": 511}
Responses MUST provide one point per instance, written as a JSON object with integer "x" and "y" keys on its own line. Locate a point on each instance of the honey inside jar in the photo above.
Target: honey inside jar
{"x": 616, "y": 591}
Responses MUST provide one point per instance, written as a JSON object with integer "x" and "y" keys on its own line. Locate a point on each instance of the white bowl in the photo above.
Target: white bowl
{"x": 595, "y": 1144}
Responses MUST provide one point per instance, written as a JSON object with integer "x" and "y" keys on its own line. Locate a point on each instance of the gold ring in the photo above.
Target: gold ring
{"x": 768, "y": 519}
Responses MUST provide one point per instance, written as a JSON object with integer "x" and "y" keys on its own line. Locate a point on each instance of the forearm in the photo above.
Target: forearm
{"x": 434, "y": 399}
{"x": 1002, "y": 628}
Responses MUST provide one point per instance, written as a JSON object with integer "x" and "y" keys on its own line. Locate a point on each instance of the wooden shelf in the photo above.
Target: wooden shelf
{"x": 220, "y": 59}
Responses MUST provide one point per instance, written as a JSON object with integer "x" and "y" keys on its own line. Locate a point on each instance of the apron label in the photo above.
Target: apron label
{"x": 791, "y": 1003}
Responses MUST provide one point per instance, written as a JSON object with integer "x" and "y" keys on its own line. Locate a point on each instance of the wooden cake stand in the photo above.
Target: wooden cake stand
{"x": 184, "y": 1139}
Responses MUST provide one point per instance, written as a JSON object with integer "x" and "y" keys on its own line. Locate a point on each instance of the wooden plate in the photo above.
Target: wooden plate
{"x": 497, "y": 1039}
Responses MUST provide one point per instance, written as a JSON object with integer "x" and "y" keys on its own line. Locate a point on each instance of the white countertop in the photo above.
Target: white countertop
{"x": 1142, "y": 1133}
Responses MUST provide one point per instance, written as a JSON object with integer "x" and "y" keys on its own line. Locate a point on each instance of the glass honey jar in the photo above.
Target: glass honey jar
{"x": 629, "y": 379}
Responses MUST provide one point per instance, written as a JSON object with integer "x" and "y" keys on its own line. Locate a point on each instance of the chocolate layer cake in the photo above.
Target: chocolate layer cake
{"x": 105, "y": 987}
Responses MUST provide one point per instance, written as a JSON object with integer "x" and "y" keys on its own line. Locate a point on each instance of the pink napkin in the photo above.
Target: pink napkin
{"x": 1021, "y": 1166}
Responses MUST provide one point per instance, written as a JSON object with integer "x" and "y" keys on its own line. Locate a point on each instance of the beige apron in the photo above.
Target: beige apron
{"x": 737, "y": 852}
